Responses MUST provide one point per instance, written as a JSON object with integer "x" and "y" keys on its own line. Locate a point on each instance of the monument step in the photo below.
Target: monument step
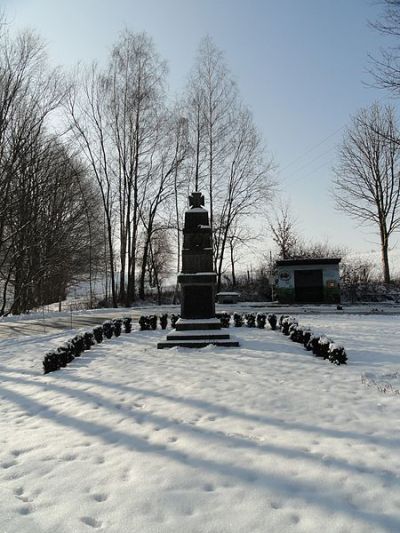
{"x": 184, "y": 324}
{"x": 196, "y": 335}
{"x": 197, "y": 343}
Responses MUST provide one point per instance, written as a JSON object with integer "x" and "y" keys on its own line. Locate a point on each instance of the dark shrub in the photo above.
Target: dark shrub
{"x": 261, "y": 320}
{"x": 174, "y": 320}
{"x": 98, "y": 334}
{"x": 251, "y": 320}
{"x": 117, "y": 322}
{"x": 153, "y": 321}
{"x": 88, "y": 340}
{"x": 324, "y": 343}
{"x": 294, "y": 332}
{"x": 281, "y": 319}
{"x": 108, "y": 329}
{"x": 64, "y": 357}
{"x": 127, "y": 322}
{"x": 237, "y": 320}
{"x": 164, "y": 321}
{"x": 286, "y": 323}
{"x": 285, "y": 326}
{"x": 65, "y": 354}
{"x": 144, "y": 323}
{"x": 78, "y": 344}
{"x": 224, "y": 318}
{"x": 272, "y": 320}
{"x": 313, "y": 344}
{"x": 50, "y": 362}
{"x": 336, "y": 354}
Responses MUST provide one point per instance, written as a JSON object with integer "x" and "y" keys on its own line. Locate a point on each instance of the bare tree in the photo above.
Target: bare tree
{"x": 284, "y": 232}
{"x": 169, "y": 153}
{"x": 86, "y": 110}
{"x": 226, "y": 150}
{"x": 136, "y": 80}
{"x": 367, "y": 183}
{"x": 115, "y": 115}
{"x": 386, "y": 67}
{"x": 212, "y": 95}
{"x": 248, "y": 186}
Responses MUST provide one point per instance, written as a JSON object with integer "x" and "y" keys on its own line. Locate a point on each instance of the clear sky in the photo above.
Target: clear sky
{"x": 301, "y": 66}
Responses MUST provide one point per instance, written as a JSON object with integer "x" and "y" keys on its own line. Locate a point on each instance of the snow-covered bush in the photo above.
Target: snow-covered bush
{"x": 98, "y": 334}
{"x": 78, "y": 344}
{"x": 127, "y": 322}
{"x": 88, "y": 340}
{"x": 144, "y": 323}
{"x": 323, "y": 343}
{"x": 108, "y": 329}
{"x": 64, "y": 357}
{"x": 296, "y": 333}
{"x": 250, "y": 320}
{"x": 320, "y": 345}
{"x": 272, "y": 320}
{"x": 237, "y": 320}
{"x": 224, "y": 318}
{"x": 153, "y": 321}
{"x": 281, "y": 319}
{"x": 286, "y": 323}
{"x": 337, "y": 354}
{"x": 50, "y": 362}
{"x": 164, "y": 321}
{"x": 261, "y": 320}
{"x": 117, "y": 322}
{"x": 312, "y": 344}
{"x": 174, "y": 319}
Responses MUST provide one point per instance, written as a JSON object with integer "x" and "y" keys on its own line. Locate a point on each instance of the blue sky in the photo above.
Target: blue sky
{"x": 301, "y": 66}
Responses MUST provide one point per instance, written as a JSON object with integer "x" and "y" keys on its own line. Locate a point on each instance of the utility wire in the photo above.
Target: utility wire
{"x": 308, "y": 163}
{"x": 312, "y": 148}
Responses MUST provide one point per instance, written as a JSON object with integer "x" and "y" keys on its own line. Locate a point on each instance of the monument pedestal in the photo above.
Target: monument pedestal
{"x": 198, "y": 325}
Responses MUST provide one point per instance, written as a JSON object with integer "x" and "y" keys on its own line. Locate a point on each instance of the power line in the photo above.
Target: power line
{"x": 312, "y": 148}
{"x": 308, "y": 163}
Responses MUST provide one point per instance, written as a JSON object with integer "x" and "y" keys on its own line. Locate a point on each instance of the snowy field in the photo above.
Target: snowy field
{"x": 263, "y": 438}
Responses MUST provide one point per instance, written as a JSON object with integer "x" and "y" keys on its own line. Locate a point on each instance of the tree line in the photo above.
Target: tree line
{"x": 96, "y": 167}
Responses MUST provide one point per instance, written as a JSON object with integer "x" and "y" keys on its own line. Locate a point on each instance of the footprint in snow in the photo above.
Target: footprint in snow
{"x": 8, "y": 464}
{"x": 69, "y": 457}
{"x": 100, "y": 497}
{"x": 25, "y": 509}
{"x": 275, "y": 505}
{"x": 19, "y": 493}
{"x": 92, "y": 522}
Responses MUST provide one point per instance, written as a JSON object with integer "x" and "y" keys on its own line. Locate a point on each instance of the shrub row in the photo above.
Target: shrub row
{"x": 250, "y": 320}
{"x": 320, "y": 345}
{"x": 74, "y": 347}
{"x": 147, "y": 322}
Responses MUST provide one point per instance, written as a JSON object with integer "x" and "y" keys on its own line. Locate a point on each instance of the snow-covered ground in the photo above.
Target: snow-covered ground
{"x": 261, "y": 438}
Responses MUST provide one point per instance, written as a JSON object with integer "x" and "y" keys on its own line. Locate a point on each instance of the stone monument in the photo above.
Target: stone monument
{"x": 198, "y": 325}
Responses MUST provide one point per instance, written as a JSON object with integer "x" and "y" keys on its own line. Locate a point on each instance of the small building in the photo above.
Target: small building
{"x": 227, "y": 297}
{"x": 308, "y": 280}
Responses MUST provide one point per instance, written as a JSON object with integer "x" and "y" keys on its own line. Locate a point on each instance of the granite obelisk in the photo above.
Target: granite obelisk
{"x": 198, "y": 325}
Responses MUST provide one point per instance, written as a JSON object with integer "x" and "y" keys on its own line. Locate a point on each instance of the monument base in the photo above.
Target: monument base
{"x": 198, "y": 334}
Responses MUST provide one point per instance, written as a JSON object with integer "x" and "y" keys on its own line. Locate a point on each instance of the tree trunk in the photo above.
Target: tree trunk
{"x": 385, "y": 261}
{"x": 233, "y": 272}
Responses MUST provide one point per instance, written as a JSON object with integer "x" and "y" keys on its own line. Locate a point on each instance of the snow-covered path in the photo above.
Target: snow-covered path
{"x": 264, "y": 438}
